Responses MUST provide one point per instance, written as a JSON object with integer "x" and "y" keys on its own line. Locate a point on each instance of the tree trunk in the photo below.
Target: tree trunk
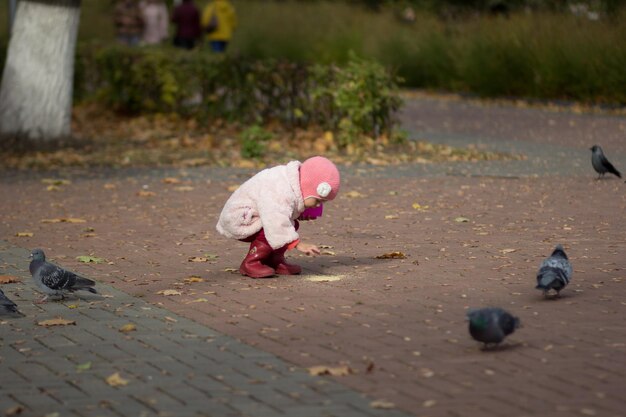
{"x": 36, "y": 90}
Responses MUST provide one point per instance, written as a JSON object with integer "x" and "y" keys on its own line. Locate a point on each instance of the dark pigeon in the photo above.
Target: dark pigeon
{"x": 54, "y": 280}
{"x": 555, "y": 272}
{"x": 7, "y": 307}
{"x": 491, "y": 325}
{"x": 601, "y": 164}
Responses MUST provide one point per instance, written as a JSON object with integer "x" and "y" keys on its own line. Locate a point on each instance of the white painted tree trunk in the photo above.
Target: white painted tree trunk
{"x": 36, "y": 90}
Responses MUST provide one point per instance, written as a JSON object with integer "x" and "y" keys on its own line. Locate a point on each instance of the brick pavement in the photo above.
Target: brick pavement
{"x": 399, "y": 324}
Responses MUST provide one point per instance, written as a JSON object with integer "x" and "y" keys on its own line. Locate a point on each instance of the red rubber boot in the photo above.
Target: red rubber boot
{"x": 252, "y": 265}
{"x": 278, "y": 262}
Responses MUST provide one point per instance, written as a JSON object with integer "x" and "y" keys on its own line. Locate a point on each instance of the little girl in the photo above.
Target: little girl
{"x": 264, "y": 211}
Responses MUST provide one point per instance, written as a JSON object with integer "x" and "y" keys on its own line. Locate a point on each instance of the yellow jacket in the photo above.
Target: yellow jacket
{"x": 226, "y": 18}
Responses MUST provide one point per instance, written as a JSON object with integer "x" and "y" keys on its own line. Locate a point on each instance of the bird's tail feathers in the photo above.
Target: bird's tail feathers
{"x": 545, "y": 280}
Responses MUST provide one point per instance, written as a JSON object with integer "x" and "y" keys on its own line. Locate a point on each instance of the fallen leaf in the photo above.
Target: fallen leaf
{"x": 328, "y": 252}
{"x": 197, "y": 300}
{"x": 419, "y": 207}
{"x": 461, "y": 219}
{"x": 391, "y": 216}
{"x": 184, "y": 188}
{"x": 505, "y": 251}
{"x": 116, "y": 380}
{"x": 8, "y": 279}
{"x": 144, "y": 193}
{"x": 193, "y": 279}
{"x": 55, "y": 181}
{"x": 429, "y": 403}
{"x": 14, "y": 411}
{"x": 324, "y": 278}
{"x": 170, "y": 180}
{"x": 326, "y": 247}
{"x": 354, "y": 194}
{"x": 231, "y": 270}
{"x": 329, "y": 370}
{"x": 24, "y": 234}
{"x": 392, "y": 255}
{"x": 83, "y": 367}
{"x": 198, "y": 259}
{"x": 127, "y": 328}
{"x": 232, "y": 188}
{"x": 64, "y": 220}
{"x": 109, "y": 186}
{"x": 382, "y": 404}
{"x": 170, "y": 319}
{"x": 169, "y": 292}
{"x": 90, "y": 259}
{"x": 56, "y": 322}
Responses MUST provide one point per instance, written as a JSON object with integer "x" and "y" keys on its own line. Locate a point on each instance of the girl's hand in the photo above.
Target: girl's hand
{"x": 308, "y": 248}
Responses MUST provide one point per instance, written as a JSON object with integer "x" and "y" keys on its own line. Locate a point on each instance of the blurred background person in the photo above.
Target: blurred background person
{"x": 155, "y": 21}
{"x": 219, "y": 21}
{"x": 186, "y": 18}
{"x": 128, "y": 22}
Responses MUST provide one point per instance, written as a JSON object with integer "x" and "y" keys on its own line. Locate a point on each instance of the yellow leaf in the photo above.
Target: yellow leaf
{"x": 116, "y": 380}
{"x": 193, "y": 279}
{"x": 461, "y": 219}
{"x": 184, "y": 188}
{"x": 198, "y": 259}
{"x": 505, "y": 251}
{"x": 232, "y": 188}
{"x": 64, "y": 220}
{"x": 328, "y": 370}
{"x": 418, "y": 206}
{"x": 169, "y": 292}
{"x": 391, "y": 217}
{"x": 324, "y": 278}
{"x": 170, "y": 180}
{"x": 24, "y": 234}
{"x": 197, "y": 300}
{"x": 7, "y": 279}
{"x": 144, "y": 193}
{"x": 382, "y": 404}
{"x": 55, "y": 181}
{"x": 354, "y": 194}
{"x": 109, "y": 186}
{"x": 130, "y": 327}
{"x": 56, "y": 322}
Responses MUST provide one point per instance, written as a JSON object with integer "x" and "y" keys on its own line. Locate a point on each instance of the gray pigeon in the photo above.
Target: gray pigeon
{"x": 54, "y": 280}
{"x": 7, "y": 307}
{"x": 555, "y": 272}
{"x": 601, "y": 164}
{"x": 491, "y": 325}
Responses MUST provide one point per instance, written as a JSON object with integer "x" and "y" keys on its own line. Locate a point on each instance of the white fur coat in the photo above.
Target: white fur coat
{"x": 271, "y": 200}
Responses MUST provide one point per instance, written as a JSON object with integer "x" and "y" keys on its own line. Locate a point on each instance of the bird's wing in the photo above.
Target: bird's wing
{"x": 55, "y": 277}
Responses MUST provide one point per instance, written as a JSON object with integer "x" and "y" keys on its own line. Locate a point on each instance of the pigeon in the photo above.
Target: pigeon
{"x": 555, "y": 272}
{"x": 54, "y": 280}
{"x": 7, "y": 307}
{"x": 491, "y": 325}
{"x": 601, "y": 164}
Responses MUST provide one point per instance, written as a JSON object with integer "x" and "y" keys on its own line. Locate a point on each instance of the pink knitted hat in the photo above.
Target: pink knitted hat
{"x": 319, "y": 178}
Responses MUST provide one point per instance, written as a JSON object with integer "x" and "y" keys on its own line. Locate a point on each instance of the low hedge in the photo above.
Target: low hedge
{"x": 357, "y": 99}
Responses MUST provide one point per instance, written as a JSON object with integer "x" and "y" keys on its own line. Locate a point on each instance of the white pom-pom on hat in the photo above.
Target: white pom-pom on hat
{"x": 324, "y": 189}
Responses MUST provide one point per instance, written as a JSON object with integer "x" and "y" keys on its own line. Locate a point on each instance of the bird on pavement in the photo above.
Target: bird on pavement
{"x": 54, "y": 280}
{"x": 491, "y": 325}
{"x": 601, "y": 164}
{"x": 555, "y": 272}
{"x": 7, "y": 307}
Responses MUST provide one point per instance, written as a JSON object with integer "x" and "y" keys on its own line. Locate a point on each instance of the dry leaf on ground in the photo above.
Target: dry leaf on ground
{"x": 8, "y": 279}
{"x": 170, "y": 180}
{"x": 130, "y": 327}
{"x": 90, "y": 259}
{"x": 461, "y": 219}
{"x": 324, "y": 278}
{"x": 330, "y": 370}
{"x": 382, "y": 404}
{"x": 193, "y": 279}
{"x": 56, "y": 322}
{"x": 64, "y": 220}
{"x": 354, "y": 194}
{"x": 116, "y": 380}
{"x": 169, "y": 292}
{"x": 392, "y": 255}
{"x": 144, "y": 193}
{"x": 24, "y": 234}
{"x": 505, "y": 251}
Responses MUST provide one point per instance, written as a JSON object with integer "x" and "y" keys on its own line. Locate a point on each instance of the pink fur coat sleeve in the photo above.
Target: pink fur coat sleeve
{"x": 271, "y": 200}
